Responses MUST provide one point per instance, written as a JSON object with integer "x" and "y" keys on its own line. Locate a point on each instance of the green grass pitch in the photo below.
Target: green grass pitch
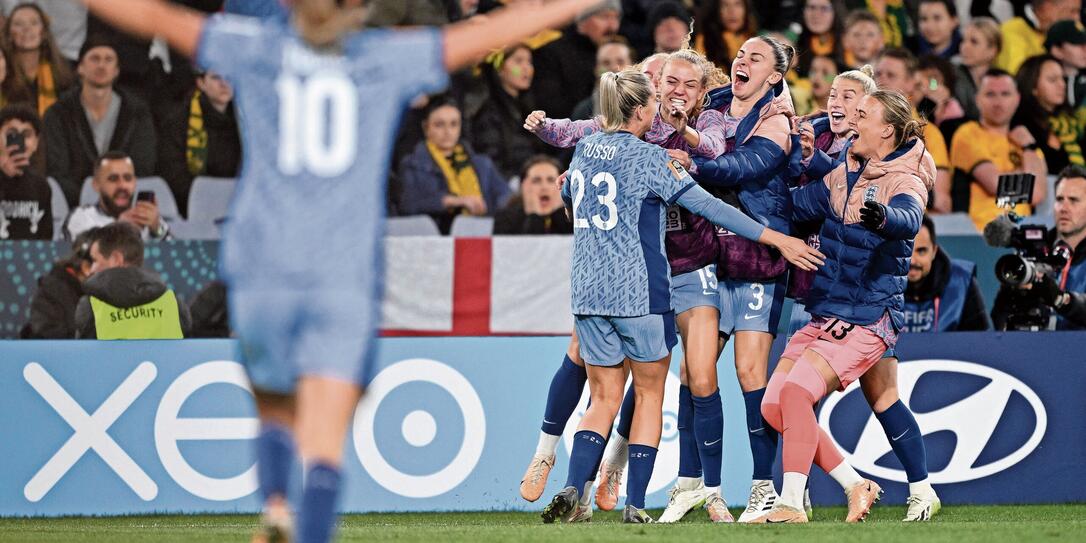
{"x": 986, "y": 524}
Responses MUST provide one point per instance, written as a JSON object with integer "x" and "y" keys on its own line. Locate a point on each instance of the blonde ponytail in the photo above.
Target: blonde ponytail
{"x": 620, "y": 94}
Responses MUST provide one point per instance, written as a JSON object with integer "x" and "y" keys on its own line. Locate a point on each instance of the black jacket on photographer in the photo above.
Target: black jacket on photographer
{"x": 1066, "y": 293}
{"x": 26, "y": 210}
{"x": 948, "y": 299}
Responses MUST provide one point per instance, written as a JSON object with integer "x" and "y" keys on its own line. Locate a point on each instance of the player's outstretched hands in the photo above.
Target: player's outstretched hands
{"x": 535, "y": 120}
{"x": 682, "y": 156}
{"x": 794, "y": 250}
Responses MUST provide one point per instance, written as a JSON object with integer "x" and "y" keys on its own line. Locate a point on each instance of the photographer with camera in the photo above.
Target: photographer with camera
{"x": 1043, "y": 285}
{"x": 25, "y": 198}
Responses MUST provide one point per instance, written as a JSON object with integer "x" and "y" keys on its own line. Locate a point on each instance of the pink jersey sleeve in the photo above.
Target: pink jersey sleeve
{"x": 564, "y": 133}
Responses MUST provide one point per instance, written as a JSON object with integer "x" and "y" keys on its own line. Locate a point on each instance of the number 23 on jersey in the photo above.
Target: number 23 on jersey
{"x": 607, "y": 200}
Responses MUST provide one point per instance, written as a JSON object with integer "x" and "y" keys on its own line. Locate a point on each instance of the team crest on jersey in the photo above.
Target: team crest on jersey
{"x": 673, "y": 219}
{"x": 870, "y": 192}
{"x": 677, "y": 169}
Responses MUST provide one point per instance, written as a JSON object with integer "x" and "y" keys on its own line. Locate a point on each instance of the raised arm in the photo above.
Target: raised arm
{"x": 467, "y": 41}
{"x": 179, "y": 26}
{"x": 795, "y": 250}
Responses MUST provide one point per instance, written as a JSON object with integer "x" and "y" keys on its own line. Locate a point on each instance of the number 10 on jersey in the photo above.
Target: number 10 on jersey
{"x": 607, "y": 200}
{"x": 318, "y": 124}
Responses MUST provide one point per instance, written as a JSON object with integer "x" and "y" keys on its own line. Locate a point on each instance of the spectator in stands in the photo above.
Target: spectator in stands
{"x": 13, "y": 89}
{"x": 892, "y": 17}
{"x": 496, "y": 129}
{"x": 200, "y": 138}
{"x": 980, "y": 46}
{"x": 1066, "y": 42}
{"x": 566, "y": 68}
{"x": 443, "y": 177}
{"x": 811, "y": 93}
{"x": 35, "y": 55}
{"x": 823, "y": 28}
{"x": 670, "y": 24}
{"x": 210, "y": 315}
{"x": 407, "y": 13}
{"x": 1056, "y": 127}
{"x": 613, "y": 56}
{"x": 939, "y": 33}
{"x": 52, "y": 309}
{"x": 982, "y": 151}
{"x": 942, "y": 294}
{"x": 84, "y": 125}
{"x": 723, "y": 27}
{"x": 538, "y": 208}
{"x": 25, "y": 197}
{"x": 115, "y": 182}
{"x": 894, "y": 70}
{"x": 937, "y": 80}
{"x": 122, "y": 300}
{"x": 863, "y": 39}
{"x": 1065, "y": 290}
{"x": 67, "y": 21}
{"x": 1024, "y": 37}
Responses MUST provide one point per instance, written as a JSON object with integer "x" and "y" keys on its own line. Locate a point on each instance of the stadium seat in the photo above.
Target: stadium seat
{"x": 167, "y": 205}
{"x": 954, "y": 224}
{"x": 209, "y": 198}
{"x": 415, "y": 225}
{"x": 466, "y": 226}
{"x": 59, "y": 208}
{"x": 194, "y": 230}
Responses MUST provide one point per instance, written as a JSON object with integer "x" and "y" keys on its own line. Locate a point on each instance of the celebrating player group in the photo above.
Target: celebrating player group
{"x": 675, "y": 152}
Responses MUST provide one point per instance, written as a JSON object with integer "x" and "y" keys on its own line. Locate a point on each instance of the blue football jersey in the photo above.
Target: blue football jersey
{"x": 619, "y": 188}
{"x": 317, "y": 130}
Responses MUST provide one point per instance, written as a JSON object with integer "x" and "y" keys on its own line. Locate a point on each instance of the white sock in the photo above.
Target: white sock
{"x": 618, "y": 451}
{"x": 846, "y": 476}
{"x": 689, "y": 483}
{"x": 586, "y": 496}
{"x": 547, "y": 444}
{"x": 713, "y": 489}
{"x": 792, "y": 489}
{"x": 921, "y": 488}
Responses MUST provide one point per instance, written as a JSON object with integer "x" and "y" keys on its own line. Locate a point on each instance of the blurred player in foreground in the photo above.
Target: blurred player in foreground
{"x": 321, "y": 102}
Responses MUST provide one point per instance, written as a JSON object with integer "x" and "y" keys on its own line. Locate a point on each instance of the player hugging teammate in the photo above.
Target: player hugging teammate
{"x": 760, "y": 160}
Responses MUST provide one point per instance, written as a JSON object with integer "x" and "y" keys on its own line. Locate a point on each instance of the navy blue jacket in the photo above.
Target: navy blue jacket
{"x": 423, "y": 184}
{"x": 757, "y": 169}
{"x": 865, "y": 272}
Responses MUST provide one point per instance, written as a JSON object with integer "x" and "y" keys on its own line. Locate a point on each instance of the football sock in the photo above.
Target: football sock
{"x": 642, "y": 460}
{"x": 771, "y": 400}
{"x": 800, "y": 429}
{"x": 845, "y": 476}
{"x": 709, "y": 432}
{"x": 792, "y": 488}
{"x": 317, "y": 518}
{"x": 547, "y": 444}
{"x": 566, "y": 388}
{"x": 625, "y": 414}
{"x": 274, "y": 459}
{"x": 905, "y": 438}
{"x": 763, "y": 438}
{"x": 617, "y": 451}
{"x": 921, "y": 488}
{"x": 584, "y": 460}
{"x": 689, "y": 461}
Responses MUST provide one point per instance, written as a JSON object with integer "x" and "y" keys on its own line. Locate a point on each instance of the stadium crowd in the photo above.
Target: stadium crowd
{"x": 88, "y": 110}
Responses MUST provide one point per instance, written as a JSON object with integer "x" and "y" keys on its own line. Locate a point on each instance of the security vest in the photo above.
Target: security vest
{"x": 158, "y": 319}
{"x": 944, "y": 312}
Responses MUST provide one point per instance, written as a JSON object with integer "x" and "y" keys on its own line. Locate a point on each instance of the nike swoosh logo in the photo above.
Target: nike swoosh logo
{"x": 840, "y": 186}
{"x": 545, "y": 421}
{"x": 748, "y": 317}
{"x": 708, "y": 293}
{"x": 710, "y": 444}
{"x": 757, "y": 430}
{"x": 900, "y": 436}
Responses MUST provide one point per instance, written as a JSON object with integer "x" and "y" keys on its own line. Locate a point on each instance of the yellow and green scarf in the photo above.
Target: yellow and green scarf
{"x": 458, "y": 171}
{"x": 1069, "y": 128}
{"x": 47, "y": 87}
{"x": 196, "y": 137}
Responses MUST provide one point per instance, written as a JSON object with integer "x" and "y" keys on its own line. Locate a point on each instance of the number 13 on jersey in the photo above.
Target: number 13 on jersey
{"x": 607, "y": 200}
{"x": 318, "y": 124}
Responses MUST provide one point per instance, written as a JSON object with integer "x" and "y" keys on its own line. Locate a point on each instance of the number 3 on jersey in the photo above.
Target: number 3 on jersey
{"x": 318, "y": 124}
{"x": 607, "y": 200}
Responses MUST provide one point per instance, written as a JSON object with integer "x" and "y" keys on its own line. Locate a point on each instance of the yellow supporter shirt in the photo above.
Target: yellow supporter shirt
{"x": 974, "y": 145}
{"x": 935, "y": 142}
{"x": 1020, "y": 41}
